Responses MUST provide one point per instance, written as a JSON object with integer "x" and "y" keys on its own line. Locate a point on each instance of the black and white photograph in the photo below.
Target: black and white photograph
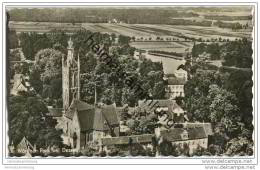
{"x": 130, "y": 81}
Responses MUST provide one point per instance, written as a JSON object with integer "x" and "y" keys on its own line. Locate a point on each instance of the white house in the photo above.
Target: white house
{"x": 175, "y": 87}
{"x": 20, "y": 83}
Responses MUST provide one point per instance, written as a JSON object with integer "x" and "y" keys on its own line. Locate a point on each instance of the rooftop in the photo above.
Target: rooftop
{"x": 93, "y": 118}
{"x": 175, "y": 81}
{"x": 171, "y": 135}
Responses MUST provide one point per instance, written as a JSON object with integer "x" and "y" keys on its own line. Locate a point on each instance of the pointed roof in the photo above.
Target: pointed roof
{"x": 24, "y": 144}
{"x": 93, "y": 118}
{"x": 19, "y": 84}
{"x": 86, "y": 119}
{"x": 150, "y": 105}
{"x": 77, "y": 105}
{"x": 110, "y": 115}
{"x": 100, "y": 119}
{"x": 177, "y": 109}
{"x": 176, "y": 81}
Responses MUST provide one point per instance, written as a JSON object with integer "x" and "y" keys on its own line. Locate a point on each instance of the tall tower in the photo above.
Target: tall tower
{"x": 70, "y": 77}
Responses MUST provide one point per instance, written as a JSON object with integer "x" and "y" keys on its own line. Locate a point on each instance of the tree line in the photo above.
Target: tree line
{"x": 223, "y": 96}
{"x": 100, "y": 15}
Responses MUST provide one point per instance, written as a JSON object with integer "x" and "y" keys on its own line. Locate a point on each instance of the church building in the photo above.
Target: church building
{"x": 82, "y": 124}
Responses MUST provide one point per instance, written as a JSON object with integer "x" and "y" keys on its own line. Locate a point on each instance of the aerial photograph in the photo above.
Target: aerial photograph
{"x": 130, "y": 81}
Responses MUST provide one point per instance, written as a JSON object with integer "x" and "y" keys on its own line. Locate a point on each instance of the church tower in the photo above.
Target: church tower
{"x": 70, "y": 77}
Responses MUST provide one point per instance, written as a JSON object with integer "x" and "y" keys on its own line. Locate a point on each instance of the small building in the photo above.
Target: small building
{"x": 126, "y": 140}
{"x": 171, "y": 109}
{"x": 203, "y": 57}
{"x": 20, "y": 83}
{"x": 156, "y": 105}
{"x": 145, "y": 140}
{"x": 191, "y": 137}
{"x": 24, "y": 147}
{"x": 175, "y": 87}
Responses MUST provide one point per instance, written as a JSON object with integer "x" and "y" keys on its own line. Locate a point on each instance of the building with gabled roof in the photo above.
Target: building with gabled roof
{"x": 170, "y": 107}
{"x": 19, "y": 84}
{"x": 125, "y": 140}
{"x": 193, "y": 137}
{"x": 24, "y": 146}
{"x": 86, "y": 124}
{"x": 82, "y": 123}
{"x": 175, "y": 87}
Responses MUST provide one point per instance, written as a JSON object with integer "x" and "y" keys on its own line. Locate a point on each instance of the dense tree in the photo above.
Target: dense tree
{"x": 123, "y": 40}
{"x": 27, "y": 118}
{"x": 13, "y": 39}
{"x": 238, "y": 54}
{"x": 239, "y": 146}
{"x": 223, "y": 96}
{"x": 154, "y": 83}
{"x": 31, "y": 43}
{"x": 223, "y": 109}
{"x": 35, "y": 80}
{"x": 15, "y": 55}
{"x": 240, "y": 83}
{"x": 213, "y": 49}
{"x": 197, "y": 90}
{"x": 46, "y": 75}
{"x": 48, "y": 62}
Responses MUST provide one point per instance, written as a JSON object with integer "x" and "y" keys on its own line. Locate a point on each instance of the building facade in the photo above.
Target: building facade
{"x": 175, "y": 87}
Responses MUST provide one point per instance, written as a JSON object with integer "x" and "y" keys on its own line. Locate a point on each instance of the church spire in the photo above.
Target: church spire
{"x": 70, "y": 77}
{"x": 70, "y": 51}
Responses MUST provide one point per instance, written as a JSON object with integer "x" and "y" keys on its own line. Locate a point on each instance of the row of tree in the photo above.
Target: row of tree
{"x": 234, "y": 26}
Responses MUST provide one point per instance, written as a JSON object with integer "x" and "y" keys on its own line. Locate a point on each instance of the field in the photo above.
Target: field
{"x": 137, "y": 30}
{"x": 169, "y": 38}
{"x": 175, "y": 38}
{"x": 169, "y": 65}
